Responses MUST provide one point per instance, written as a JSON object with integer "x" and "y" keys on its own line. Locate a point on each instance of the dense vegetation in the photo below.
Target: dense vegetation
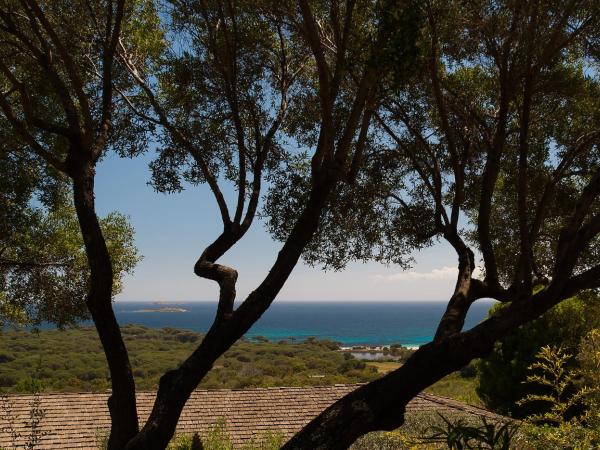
{"x": 502, "y": 374}
{"x": 371, "y": 129}
{"x": 72, "y": 360}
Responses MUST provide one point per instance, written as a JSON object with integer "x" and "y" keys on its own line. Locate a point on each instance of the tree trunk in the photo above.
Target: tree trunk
{"x": 454, "y": 317}
{"x": 177, "y": 385}
{"x": 121, "y": 403}
{"x": 380, "y": 405}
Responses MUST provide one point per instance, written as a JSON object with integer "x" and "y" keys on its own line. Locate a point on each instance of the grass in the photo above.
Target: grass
{"x": 384, "y": 367}
{"x": 457, "y": 387}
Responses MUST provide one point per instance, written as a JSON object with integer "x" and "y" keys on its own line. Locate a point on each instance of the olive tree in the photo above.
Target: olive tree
{"x": 498, "y": 140}
{"x": 81, "y": 77}
{"x": 57, "y": 82}
{"x": 253, "y": 80}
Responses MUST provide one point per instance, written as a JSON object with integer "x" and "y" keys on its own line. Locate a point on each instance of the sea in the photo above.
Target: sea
{"x": 369, "y": 323}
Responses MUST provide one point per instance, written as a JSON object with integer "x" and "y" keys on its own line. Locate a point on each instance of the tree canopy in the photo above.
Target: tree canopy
{"x": 43, "y": 266}
{"x": 377, "y": 128}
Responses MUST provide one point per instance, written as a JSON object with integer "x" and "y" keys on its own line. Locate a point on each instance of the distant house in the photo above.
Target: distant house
{"x": 79, "y": 420}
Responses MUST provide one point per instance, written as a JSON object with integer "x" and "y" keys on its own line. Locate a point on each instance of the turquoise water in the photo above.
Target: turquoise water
{"x": 350, "y": 323}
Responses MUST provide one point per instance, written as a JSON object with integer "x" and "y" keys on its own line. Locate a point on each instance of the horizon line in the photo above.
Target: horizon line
{"x": 300, "y": 301}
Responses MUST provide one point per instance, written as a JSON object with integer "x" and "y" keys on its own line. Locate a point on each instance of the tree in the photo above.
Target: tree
{"x": 56, "y": 97}
{"x": 250, "y": 75}
{"x": 500, "y": 141}
{"x": 67, "y": 104}
{"x": 43, "y": 267}
{"x": 493, "y": 148}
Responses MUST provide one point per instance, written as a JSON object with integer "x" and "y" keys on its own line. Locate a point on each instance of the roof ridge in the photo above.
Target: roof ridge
{"x": 153, "y": 391}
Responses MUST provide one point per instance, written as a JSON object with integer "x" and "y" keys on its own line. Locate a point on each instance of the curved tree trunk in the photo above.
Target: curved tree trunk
{"x": 177, "y": 385}
{"x": 380, "y": 405}
{"x": 122, "y": 403}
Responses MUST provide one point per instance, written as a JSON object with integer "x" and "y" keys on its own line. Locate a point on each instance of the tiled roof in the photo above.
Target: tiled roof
{"x": 78, "y": 420}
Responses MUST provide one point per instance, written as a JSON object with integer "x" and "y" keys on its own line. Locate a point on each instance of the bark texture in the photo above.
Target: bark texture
{"x": 122, "y": 402}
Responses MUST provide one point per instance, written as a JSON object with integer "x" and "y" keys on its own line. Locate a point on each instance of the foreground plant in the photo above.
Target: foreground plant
{"x": 571, "y": 419}
{"x": 459, "y": 435}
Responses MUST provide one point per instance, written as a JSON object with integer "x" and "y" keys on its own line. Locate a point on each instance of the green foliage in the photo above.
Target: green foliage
{"x": 196, "y": 442}
{"x": 567, "y": 436}
{"x": 43, "y": 266}
{"x": 551, "y": 373}
{"x": 217, "y": 73}
{"x": 72, "y": 360}
{"x": 400, "y": 28}
{"x": 48, "y": 280}
{"x": 457, "y": 387}
{"x": 501, "y": 374}
{"x": 454, "y": 429}
{"x": 217, "y": 438}
{"x": 589, "y": 361}
{"x": 573, "y": 418}
{"x": 360, "y": 221}
{"x": 384, "y": 441}
{"x": 143, "y": 32}
{"x": 29, "y": 385}
{"x": 459, "y": 435}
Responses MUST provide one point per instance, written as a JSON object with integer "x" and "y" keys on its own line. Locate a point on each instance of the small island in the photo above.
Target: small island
{"x": 164, "y": 309}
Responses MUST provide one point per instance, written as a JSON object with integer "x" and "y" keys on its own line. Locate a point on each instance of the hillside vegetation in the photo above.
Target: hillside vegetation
{"x": 72, "y": 360}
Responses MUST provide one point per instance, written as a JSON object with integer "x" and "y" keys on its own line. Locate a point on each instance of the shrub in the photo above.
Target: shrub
{"x": 187, "y": 337}
{"x": 383, "y": 441}
{"x": 351, "y": 364}
{"x": 589, "y": 361}
{"x": 568, "y": 436}
{"x": 469, "y": 371}
{"x": 29, "y": 385}
{"x": 7, "y": 380}
{"x": 558, "y": 426}
{"x": 196, "y": 443}
{"x": 458, "y": 435}
{"x": 502, "y": 373}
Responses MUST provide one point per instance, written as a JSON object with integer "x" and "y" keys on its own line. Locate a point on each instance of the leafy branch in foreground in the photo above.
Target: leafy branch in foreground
{"x": 550, "y": 372}
{"x": 573, "y": 419}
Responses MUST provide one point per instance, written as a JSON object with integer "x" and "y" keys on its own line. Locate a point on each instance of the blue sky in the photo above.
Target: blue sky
{"x": 172, "y": 230}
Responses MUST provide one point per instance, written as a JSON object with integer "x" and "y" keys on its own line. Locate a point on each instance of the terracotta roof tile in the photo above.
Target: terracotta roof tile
{"x": 79, "y": 420}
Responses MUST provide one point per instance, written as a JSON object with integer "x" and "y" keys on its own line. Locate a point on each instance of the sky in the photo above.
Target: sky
{"x": 173, "y": 229}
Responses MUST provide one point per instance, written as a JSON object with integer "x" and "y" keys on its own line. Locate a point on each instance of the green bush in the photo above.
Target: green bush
{"x": 29, "y": 385}
{"x": 5, "y": 357}
{"x": 7, "y": 380}
{"x": 571, "y": 419}
{"x": 459, "y": 434}
{"x": 501, "y": 375}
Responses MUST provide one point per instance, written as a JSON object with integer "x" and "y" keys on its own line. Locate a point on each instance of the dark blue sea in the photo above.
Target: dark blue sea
{"x": 350, "y": 323}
